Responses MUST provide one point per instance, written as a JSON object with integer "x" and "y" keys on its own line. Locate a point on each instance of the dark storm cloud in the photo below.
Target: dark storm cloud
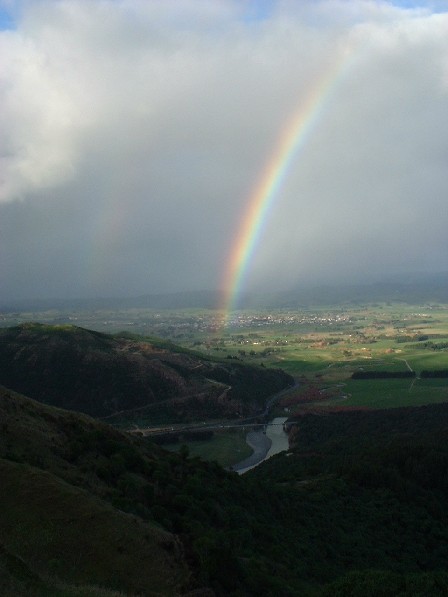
{"x": 134, "y": 132}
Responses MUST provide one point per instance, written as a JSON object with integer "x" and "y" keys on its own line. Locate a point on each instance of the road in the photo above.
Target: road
{"x": 407, "y": 364}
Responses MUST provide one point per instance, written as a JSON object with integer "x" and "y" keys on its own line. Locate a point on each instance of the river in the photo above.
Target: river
{"x": 264, "y": 445}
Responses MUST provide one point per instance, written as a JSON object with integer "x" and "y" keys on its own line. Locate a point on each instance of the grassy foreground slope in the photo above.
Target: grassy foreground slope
{"x": 56, "y": 533}
{"x": 103, "y": 375}
{"x": 62, "y": 531}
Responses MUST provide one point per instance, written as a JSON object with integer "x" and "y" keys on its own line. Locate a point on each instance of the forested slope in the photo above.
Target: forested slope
{"x": 359, "y": 507}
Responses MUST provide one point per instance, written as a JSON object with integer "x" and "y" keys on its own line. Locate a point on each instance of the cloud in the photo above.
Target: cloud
{"x": 134, "y": 132}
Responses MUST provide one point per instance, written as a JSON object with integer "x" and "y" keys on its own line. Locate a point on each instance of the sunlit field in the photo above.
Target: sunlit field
{"x": 321, "y": 347}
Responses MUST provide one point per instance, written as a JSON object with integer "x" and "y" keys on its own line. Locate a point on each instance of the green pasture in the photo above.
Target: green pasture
{"x": 371, "y": 341}
{"x": 296, "y": 364}
{"x": 426, "y": 359}
{"x": 393, "y": 393}
{"x": 312, "y": 360}
{"x": 225, "y": 447}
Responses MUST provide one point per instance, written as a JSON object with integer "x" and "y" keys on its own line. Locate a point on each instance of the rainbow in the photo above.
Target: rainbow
{"x": 289, "y": 144}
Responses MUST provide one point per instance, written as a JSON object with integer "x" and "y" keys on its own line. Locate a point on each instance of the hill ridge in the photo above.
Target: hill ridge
{"x": 101, "y": 374}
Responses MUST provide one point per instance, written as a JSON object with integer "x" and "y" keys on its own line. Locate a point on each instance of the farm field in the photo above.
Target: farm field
{"x": 322, "y": 347}
{"x": 380, "y": 338}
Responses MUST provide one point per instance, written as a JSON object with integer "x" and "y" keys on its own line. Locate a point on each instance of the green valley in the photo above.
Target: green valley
{"x": 357, "y": 505}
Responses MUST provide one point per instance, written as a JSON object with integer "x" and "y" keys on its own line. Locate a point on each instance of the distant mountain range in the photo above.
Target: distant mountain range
{"x": 411, "y": 288}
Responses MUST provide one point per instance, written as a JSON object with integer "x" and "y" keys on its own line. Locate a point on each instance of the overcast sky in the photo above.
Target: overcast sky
{"x": 133, "y": 132}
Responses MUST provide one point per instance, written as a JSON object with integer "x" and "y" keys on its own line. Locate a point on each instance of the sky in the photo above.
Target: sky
{"x": 134, "y": 135}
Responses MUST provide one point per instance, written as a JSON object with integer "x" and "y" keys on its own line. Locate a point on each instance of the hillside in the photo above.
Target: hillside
{"x": 56, "y": 531}
{"x": 359, "y": 507}
{"x": 98, "y": 374}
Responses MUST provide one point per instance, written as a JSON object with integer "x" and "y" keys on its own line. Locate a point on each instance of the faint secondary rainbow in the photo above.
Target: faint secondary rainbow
{"x": 291, "y": 141}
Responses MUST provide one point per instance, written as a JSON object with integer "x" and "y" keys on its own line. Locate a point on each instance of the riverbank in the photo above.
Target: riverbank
{"x": 264, "y": 445}
{"x": 260, "y": 444}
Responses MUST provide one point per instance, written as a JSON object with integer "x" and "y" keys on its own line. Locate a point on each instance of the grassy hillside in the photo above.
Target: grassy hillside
{"x": 124, "y": 377}
{"x": 63, "y": 532}
{"x": 58, "y": 528}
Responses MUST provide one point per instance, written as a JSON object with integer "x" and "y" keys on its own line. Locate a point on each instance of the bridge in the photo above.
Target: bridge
{"x": 147, "y": 431}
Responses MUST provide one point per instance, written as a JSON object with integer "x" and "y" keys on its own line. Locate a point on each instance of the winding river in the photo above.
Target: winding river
{"x": 264, "y": 445}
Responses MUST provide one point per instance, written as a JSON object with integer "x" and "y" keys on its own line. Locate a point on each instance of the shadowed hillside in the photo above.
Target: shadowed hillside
{"x": 359, "y": 507}
{"x": 58, "y": 527}
{"x": 101, "y": 375}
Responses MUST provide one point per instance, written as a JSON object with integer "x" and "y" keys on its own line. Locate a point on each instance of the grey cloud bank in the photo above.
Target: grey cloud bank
{"x": 132, "y": 134}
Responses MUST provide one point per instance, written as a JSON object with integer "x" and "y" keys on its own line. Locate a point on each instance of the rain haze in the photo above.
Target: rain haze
{"x": 134, "y": 133}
